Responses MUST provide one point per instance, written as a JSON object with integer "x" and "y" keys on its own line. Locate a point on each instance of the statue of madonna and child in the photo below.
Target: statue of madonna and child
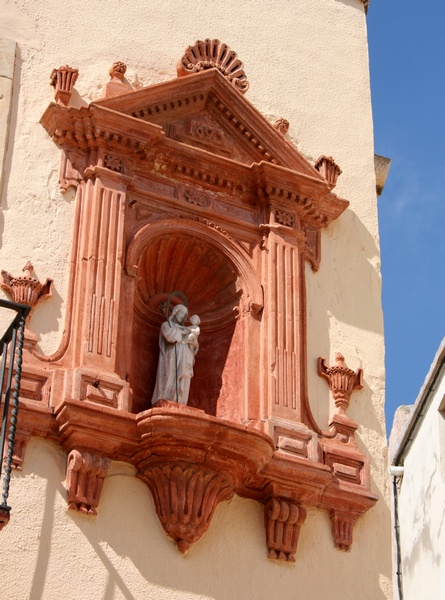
{"x": 178, "y": 346}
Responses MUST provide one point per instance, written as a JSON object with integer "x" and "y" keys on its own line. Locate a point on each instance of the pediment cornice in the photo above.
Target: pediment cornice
{"x": 100, "y": 125}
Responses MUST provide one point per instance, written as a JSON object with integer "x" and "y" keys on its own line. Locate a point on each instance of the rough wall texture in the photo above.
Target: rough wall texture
{"x": 307, "y": 62}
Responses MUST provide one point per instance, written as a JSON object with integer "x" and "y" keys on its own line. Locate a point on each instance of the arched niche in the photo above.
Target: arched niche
{"x": 215, "y": 275}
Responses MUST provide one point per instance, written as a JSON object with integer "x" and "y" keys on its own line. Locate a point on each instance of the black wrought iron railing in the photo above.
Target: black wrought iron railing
{"x": 11, "y": 350}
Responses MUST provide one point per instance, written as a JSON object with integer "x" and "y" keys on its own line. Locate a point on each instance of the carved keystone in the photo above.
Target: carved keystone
{"x": 329, "y": 169}
{"x": 26, "y": 289}
{"x": 342, "y": 524}
{"x": 85, "y": 474}
{"x": 63, "y": 80}
{"x": 283, "y": 519}
{"x": 186, "y": 498}
{"x": 213, "y": 54}
{"x": 341, "y": 380}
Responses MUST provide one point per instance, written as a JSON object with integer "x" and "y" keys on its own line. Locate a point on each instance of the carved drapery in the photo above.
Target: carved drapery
{"x": 184, "y": 185}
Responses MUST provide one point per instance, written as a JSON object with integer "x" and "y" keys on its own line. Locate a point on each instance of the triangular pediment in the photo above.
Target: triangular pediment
{"x": 204, "y": 111}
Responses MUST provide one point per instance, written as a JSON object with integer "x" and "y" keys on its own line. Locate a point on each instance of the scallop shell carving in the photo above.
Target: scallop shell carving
{"x": 213, "y": 54}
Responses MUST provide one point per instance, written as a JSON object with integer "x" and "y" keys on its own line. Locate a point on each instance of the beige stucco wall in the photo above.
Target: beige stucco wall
{"x": 306, "y": 61}
{"x": 421, "y": 495}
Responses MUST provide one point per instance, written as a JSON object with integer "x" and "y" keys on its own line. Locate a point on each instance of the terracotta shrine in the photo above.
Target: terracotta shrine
{"x": 185, "y": 186}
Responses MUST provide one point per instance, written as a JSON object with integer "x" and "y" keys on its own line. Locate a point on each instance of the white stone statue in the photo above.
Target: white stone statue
{"x": 178, "y": 345}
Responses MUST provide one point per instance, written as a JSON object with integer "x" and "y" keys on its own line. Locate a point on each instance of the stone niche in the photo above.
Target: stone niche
{"x": 185, "y": 186}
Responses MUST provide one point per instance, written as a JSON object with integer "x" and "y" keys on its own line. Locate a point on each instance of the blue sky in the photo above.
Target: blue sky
{"x": 407, "y": 62}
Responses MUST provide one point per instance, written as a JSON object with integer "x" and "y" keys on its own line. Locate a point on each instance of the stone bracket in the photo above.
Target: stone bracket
{"x": 283, "y": 519}
{"x": 85, "y": 474}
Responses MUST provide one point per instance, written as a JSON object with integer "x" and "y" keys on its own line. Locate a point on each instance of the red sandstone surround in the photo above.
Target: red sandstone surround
{"x": 185, "y": 186}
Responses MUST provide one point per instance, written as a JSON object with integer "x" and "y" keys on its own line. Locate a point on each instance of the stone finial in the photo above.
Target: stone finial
{"x": 213, "y": 54}
{"x": 282, "y": 125}
{"x": 117, "y": 85}
{"x": 329, "y": 169}
{"x": 341, "y": 380}
{"x": 26, "y": 289}
{"x": 118, "y": 70}
{"x": 63, "y": 80}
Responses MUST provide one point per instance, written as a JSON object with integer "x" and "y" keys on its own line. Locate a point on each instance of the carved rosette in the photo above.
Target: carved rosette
{"x": 26, "y": 289}
{"x": 117, "y": 85}
{"x": 342, "y": 524}
{"x": 213, "y": 54}
{"x": 85, "y": 474}
{"x": 186, "y": 498}
{"x": 341, "y": 380}
{"x": 283, "y": 519}
{"x": 329, "y": 169}
{"x": 63, "y": 80}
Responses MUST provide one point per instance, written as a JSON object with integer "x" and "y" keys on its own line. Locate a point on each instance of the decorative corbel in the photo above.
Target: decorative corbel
{"x": 342, "y": 523}
{"x": 329, "y": 169}
{"x": 341, "y": 380}
{"x": 63, "y": 80}
{"x": 283, "y": 519}
{"x": 85, "y": 474}
{"x": 185, "y": 499}
{"x": 26, "y": 289}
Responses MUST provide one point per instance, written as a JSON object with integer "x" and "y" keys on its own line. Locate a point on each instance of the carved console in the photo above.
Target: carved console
{"x": 186, "y": 186}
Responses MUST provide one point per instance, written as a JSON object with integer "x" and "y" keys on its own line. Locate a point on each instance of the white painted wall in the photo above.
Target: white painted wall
{"x": 421, "y": 500}
{"x": 306, "y": 61}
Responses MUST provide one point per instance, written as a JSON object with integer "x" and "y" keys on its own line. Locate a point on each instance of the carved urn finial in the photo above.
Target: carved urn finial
{"x": 329, "y": 169}
{"x": 341, "y": 380}
{"x": 282, "y": 125}
{"x": 63, "y": 80}
{"x": 213, "y": 54}
{"x": 26, "y": 289}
